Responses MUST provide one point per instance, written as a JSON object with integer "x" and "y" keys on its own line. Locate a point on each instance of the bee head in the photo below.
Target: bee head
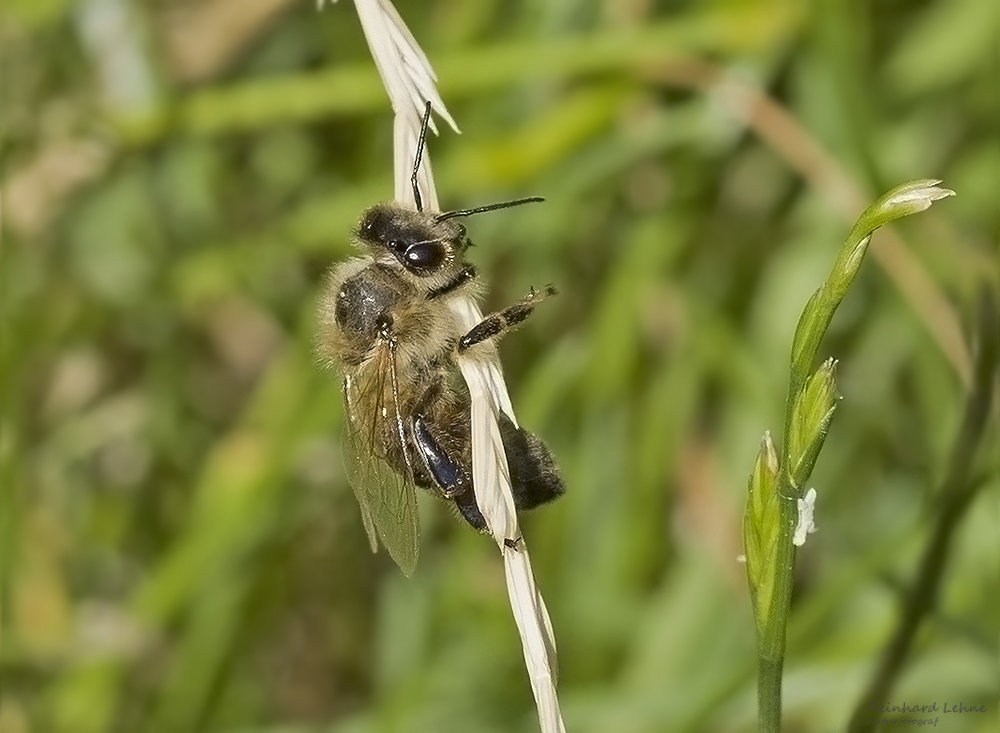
{"x": 419, "y": 241}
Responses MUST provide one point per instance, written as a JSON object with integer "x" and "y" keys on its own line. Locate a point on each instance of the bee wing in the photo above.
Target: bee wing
{"x": 387, "y": 497}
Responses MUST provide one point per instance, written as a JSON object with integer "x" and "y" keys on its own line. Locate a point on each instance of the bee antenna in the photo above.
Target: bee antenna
{"x": 420, "y": 152}
{"x": 491, "y": 207}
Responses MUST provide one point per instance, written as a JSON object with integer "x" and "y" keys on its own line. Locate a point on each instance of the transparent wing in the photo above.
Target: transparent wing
{"x": 374, "y": 446}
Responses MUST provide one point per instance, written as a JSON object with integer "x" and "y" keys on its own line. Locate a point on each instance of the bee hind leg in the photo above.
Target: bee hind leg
{"x": 447, "y": 474}
{"x": 450, "y": 480}
{"x": 496, "y": 324}
{"x": 469, "y": 509}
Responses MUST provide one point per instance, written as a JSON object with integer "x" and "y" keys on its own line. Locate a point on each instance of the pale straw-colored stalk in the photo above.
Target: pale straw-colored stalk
{"x": 410, "y": 83}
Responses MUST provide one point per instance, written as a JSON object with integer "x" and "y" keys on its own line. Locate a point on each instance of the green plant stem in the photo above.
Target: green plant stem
{"x": 771, "y": 637}
{"x": 815, "y": 320}
{"x": 770, "y": 664}
{"x": 769, "y": 717}
{"x": 957, "y": 492}
{"x": 808, "y": 407}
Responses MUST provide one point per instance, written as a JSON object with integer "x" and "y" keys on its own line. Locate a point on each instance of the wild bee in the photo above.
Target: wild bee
{"x": 385, "y": 321}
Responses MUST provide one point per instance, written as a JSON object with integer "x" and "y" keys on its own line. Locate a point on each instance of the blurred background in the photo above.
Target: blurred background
{"x": 179, "y": 550}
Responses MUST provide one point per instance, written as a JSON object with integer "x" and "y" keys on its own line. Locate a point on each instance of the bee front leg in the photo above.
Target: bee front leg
{"x": 465, "y": 275}
{"x": 497, "y": 324}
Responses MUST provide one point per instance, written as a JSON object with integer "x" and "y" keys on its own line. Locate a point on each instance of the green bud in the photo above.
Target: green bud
{"x": 901, "y": 201}
{"x": 910, "y": 198}
{"x": 811, "y": 415}
{"x": 762, "y": 518}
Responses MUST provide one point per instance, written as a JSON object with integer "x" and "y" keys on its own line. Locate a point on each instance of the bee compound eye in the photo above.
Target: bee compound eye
{"x": 424, "y": 256}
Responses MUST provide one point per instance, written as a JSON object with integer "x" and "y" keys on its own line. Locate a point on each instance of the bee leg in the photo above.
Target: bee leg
{"x": 496, "y": 324}
{"x": 534, "y": 477}
{"x": 469, "y": 509}
{"x": 447, "y": 474}
{"x": 466, "y": 274}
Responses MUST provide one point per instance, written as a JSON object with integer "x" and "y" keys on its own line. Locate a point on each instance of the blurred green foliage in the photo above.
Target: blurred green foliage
{"x": 178, "y": 548}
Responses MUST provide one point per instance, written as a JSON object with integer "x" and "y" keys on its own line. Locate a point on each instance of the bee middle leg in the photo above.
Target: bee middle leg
{"x": 497, "y": 324}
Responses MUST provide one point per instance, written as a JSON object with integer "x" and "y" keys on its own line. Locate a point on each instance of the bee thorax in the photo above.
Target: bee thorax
{"x": 363, "y": 302}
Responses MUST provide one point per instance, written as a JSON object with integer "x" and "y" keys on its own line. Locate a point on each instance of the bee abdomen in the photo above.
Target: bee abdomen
{"x": 534, "y": 477}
